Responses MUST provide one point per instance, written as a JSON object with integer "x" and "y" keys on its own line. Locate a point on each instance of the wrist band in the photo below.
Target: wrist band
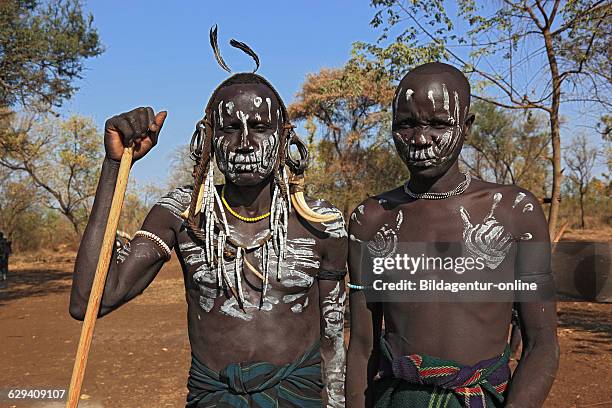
{"x": 157, "y": 240}
{"x": 357, "y": 287}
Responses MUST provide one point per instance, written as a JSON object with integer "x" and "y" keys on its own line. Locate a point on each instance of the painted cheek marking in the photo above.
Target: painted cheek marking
{"x": 430, "y": 95}
{"x": 257, "y": 101}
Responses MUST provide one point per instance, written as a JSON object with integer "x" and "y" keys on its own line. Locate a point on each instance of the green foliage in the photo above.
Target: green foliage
{"x": 508, "y": 147}
{"x": 347, "y": 115}
{"x": 60, "y": 158}
{"x": 42, "y": 49}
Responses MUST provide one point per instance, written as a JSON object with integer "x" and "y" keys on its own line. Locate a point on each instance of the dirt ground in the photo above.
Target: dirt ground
{"x": 140, "y": 353}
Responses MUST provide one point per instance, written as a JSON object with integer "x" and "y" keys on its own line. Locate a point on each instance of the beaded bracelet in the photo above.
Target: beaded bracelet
{"x": 357, "y": 287}
{"x": 157, "y": 240}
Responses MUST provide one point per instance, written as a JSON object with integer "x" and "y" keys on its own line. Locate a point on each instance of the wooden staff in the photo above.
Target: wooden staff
{"x": 97, "y": 288}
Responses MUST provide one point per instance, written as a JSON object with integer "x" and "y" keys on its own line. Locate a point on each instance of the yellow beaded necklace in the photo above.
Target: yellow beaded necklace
{"x": 241, "y": 217}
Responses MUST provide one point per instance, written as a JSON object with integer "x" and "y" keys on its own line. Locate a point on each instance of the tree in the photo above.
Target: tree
{"x": 580, "y": 162}
{"x": 523, "y": 55}
{"x": 347, "y": 114}
{"x": 60, "y": 158}
{"x": 42, "y": 49}
{"x": 507, "y": 147}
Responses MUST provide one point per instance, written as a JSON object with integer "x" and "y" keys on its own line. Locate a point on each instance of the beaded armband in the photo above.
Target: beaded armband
{"x": 157, "y": 240}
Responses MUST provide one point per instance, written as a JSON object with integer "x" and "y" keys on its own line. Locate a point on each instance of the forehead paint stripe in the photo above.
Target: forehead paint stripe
{"x": 269, "y": 102}
{"x": 257, "y": 101}
{"x": 446, "y": 99}
{"x": 220, "y": 114}
{"x": 409, "y": 93}
{"x": 430, "y": 95}
{"x": 230, "y": 107}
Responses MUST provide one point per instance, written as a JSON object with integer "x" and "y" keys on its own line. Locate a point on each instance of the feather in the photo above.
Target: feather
{"x": 246, "y": 49}
{"x": 215, "y": 47}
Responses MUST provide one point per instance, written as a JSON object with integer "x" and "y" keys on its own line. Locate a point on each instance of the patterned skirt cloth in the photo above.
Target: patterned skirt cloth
{"x": 259, "y": 385}
{"x": 423, "y": 381}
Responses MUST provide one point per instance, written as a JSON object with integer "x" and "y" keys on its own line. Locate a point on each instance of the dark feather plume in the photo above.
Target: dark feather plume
{"x": 215, "y": 47}
{"x": 246, "y": 49}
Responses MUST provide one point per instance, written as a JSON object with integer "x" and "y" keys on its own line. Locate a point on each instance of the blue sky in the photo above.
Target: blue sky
{"x": 158, "y": 54}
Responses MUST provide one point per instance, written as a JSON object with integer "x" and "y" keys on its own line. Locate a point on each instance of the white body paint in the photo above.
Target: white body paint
{"x": 333, "y": 313}
{"x": 409, "y": 93}
{"x": 384, "y": 243}
{"x": 489, "y": 239}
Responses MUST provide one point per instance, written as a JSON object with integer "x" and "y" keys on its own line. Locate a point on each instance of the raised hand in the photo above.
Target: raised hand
{"x": 139, "y": 127}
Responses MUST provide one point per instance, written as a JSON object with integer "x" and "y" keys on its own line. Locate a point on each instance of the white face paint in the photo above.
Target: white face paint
{"x": 332, "y": 311}
{"x": 260, "y": 160}
{"x": 415, "y": 150}
{"x": 220, "y": 114}
{"x": 409, "y": 93}
{"x": 269, "y": 102}
{"x": 430, "y": 96}
{"x": 447, "y": 104}
{"x": 229, "y": 107}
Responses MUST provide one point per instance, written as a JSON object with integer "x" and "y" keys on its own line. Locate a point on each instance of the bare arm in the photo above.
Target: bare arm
{"x": 365, "y": 328}
{"x": 332, "y": 297}
{"x": 134, "y": 266}
{"x": 536, "y": 371}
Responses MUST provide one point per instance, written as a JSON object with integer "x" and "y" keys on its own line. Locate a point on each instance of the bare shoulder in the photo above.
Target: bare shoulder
{"x": 335, "y": 228}
{"x": 509, "y": 196}
{"x": 375, "y": 210}
{"x": 176, "y": 201}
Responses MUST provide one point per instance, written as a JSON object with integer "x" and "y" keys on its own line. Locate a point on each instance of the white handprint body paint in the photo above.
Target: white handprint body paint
{"x": 334, "y": 369}
{"x": 489, "y": 240}
{"x": 384, "y": 242}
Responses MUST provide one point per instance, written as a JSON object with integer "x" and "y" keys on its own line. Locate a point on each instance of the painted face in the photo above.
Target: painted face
{"x": 428, "y": 121}
{"x": 247, "y": 122}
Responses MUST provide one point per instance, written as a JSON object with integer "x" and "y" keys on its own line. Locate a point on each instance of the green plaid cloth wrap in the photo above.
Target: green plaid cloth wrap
{"x": 424, "y": 381}
{"x": 259, "y": 385}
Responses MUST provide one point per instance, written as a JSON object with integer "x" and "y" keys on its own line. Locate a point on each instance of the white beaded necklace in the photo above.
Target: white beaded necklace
{"x": 461, "y": 187}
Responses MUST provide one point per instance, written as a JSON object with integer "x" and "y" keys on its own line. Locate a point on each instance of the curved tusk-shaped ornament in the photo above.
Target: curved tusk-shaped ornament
{"x": 299, "y": 203}
{"x": 252, "y": 268}
{"x": 185, "y": 214}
